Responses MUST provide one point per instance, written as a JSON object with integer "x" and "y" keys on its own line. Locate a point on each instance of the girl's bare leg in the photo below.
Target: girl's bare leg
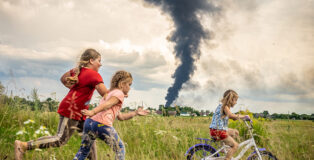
{"x": 234, "y": 146}
{"x": 93, "y": 153}
{"x": 233, "y": 133}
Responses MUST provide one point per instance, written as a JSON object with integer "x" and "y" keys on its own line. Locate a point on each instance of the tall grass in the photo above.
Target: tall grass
{"x": 291, "y": 139}
{"x": 154, "y": 137}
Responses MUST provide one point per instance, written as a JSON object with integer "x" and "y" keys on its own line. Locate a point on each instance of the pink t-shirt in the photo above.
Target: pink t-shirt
{"x": 108, "y": 116}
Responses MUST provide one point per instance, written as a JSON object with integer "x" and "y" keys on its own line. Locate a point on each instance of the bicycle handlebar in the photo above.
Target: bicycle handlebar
{"x": 251, "y": 124}
{"x": 247, "y": 118}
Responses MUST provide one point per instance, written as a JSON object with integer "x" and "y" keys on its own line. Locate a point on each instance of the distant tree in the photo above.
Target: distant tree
{"x": 172, "y": 108}
{"x": 164, "y": 111}
{"x": 151, "y": 109}
{"x": 295, "y": 116}
{"x": 35, "y": 98}
{"x": 275, "y": 116}
{"x": 178, "y": 110}
{"x": 51, "y": 104}
{"x": 305, "y": 117}
{"x": 265, "y": 113}
{"x": 197, "y": 113}
{"x": 160, "y": 107}
{"x": 284, "y": 116}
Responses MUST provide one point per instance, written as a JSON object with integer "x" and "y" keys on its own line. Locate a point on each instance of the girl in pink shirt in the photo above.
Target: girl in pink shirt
{"x": 103, "y": 116}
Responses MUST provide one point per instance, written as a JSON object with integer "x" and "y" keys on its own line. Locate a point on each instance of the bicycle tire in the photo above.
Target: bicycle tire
{"x": 205, "y": 148}
{"x": 264, "y": 154}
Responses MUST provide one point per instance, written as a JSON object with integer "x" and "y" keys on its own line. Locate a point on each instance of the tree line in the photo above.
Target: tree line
{"x": 293, "y": 115}
{"x": 33, "y": 102}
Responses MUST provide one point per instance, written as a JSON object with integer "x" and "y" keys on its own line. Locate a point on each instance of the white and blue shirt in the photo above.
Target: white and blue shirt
{"x": 218, "y": 122}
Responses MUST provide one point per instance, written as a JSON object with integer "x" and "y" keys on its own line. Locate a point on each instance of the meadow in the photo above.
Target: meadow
{"x": 152, "y": 137}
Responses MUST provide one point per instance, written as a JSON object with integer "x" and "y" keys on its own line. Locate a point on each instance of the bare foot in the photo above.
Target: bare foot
{"x": 19, "y": 151}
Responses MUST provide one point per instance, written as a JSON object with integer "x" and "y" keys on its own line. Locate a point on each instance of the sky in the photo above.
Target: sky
{"x": 261, "y": 49}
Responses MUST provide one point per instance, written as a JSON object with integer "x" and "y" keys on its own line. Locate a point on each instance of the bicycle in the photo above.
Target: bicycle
{"x": 206, "y": 151}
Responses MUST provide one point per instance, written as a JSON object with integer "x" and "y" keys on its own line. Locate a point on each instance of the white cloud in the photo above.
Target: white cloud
{"x": 111, "y": 21}
{"x": 150, "y": 98}
{"x": 262, "y": 49}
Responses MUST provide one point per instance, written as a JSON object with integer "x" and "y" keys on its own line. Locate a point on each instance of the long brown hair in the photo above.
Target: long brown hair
{"x": 118, "y": 78}
{"x": 227, "y": 100}
{"x": 87, "y": 55}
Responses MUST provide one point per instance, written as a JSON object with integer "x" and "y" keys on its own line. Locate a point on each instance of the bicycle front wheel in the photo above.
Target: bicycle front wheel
{"x": 200, "y": 152}
{"x": 265, "y": 155}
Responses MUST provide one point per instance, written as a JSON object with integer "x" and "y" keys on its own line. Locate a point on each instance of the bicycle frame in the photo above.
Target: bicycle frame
{"x": 246, "y": 144}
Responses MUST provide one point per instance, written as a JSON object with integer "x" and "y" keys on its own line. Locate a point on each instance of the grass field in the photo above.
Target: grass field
{"x": 152, "y": 137}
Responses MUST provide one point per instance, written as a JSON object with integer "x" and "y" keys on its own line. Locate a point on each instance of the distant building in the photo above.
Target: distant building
{"x": 185, "y": 114}
{"x": 172, "y": 113}
{"x": 204, "y": 113}
{"x": 159, "y": 112}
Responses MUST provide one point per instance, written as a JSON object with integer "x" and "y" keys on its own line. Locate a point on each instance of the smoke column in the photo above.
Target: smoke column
{"x": 187, "y": 37}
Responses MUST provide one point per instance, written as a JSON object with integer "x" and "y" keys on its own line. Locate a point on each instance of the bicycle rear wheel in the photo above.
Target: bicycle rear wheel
{"x": 265, "y": 155}
{"x": 200, "y": 152}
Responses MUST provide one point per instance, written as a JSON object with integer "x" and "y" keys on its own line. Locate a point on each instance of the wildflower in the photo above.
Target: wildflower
{"x": 42, "y": 130}
{"x": 176, "y": 138}
{"x": 47, "y": 133}
{"x": 21, "y": 132}
{"x": 37, "y": 131}
{"x": 160, "y": 132}
{"x": 42, "y": 127}
{"x": 52, "y": 157}
{"x": 29, "y": 121}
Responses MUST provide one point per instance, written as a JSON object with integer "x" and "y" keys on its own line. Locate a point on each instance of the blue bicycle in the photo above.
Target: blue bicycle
{"x": 206, "y": 151}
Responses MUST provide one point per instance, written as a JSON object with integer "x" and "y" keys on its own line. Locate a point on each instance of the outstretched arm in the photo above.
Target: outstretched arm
{"x": 104, "y": 106}
{"x": 126, "y": 116}
{"x": 234, "y": 116}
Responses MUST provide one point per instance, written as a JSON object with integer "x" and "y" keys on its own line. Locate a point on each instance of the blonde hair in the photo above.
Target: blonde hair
{"x": 227, "y": 100}
{"x": 87, "y": 55}
{"x": 118, "y": 78}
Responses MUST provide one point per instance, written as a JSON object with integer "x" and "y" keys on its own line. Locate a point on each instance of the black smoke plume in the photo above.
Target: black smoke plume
{"x": 187, "y": 37}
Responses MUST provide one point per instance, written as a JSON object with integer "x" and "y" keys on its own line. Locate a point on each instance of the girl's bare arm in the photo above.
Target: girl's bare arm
{"x": 231, "y": 115}
{"x": 63, "y": 79}
{"x": 101, "y": 89}
{"x": 126, "y": 116}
